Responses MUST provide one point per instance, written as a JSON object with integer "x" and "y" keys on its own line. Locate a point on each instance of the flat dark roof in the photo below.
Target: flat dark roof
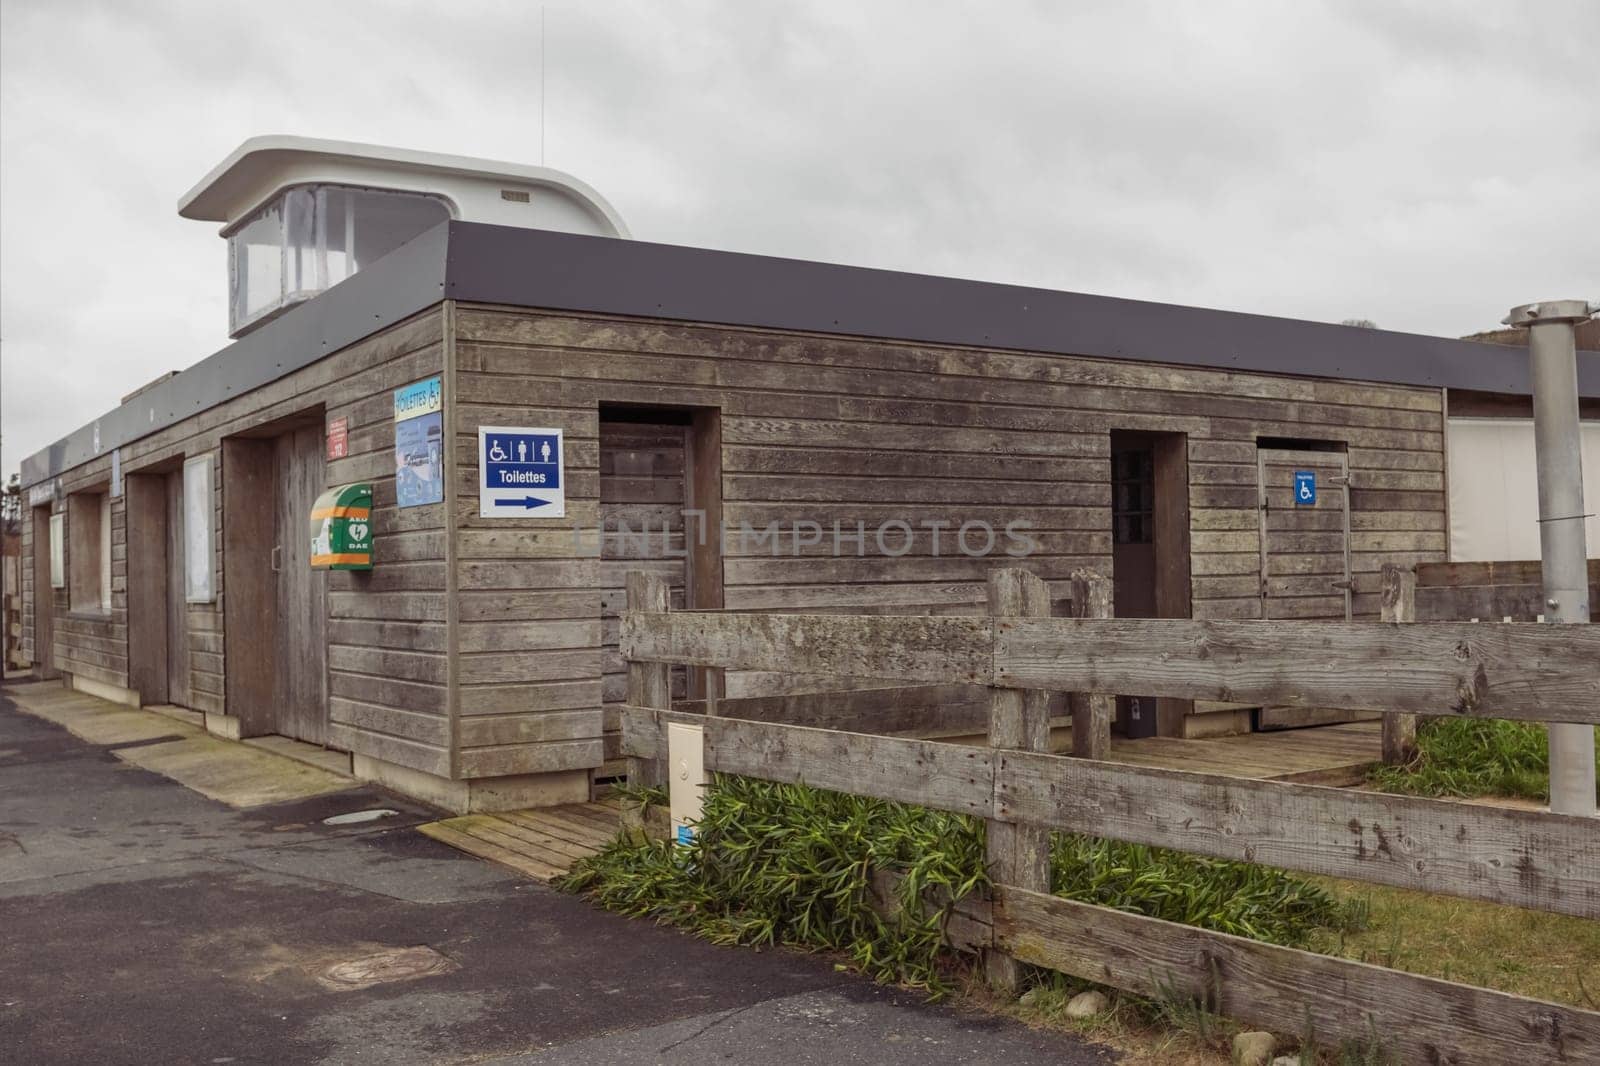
{"x": 479, "y": 263}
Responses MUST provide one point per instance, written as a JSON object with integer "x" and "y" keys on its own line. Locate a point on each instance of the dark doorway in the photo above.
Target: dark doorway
{"x": 1150, "y": 555}
{"x": 658, "y": 465}
{"x": 177, "y": 595}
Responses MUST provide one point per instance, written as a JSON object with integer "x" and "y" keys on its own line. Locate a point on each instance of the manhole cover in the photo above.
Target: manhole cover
{"x": 395, "y": 964}
{"x": 357, "y": 817}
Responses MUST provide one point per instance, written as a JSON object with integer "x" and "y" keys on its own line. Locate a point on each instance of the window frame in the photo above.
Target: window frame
{"x": 199, "y": 538}
{"x": 58, "y": 550}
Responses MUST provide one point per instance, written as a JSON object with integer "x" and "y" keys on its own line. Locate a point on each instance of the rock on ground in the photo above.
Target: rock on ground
{"x": 1254, "y": 1049}
{"x": 1087, "y": 1005}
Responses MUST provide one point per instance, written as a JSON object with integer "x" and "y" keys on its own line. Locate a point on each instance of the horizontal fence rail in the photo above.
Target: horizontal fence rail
{"x": 1284, "y": 989}
{"x": 1530, "y": 672}
{"x": 1523, "y": 858}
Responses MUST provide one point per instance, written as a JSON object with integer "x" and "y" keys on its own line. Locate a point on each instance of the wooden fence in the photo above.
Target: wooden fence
{"x": 1523, "y": 858}
{"x": 1459, "y": 592}
{"x": 1493, "y": 592}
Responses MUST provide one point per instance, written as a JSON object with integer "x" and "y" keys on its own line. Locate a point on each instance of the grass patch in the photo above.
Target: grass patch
{"x": 1469, "y": 757}
{"x": 786, "y": 864}
{"x": 1553, "y": 957}
{"x": 1228, "y": 897}
{"x": 789, "y": 865}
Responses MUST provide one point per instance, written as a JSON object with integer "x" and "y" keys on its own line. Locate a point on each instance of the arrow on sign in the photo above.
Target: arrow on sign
{"x": 525, "y": 502}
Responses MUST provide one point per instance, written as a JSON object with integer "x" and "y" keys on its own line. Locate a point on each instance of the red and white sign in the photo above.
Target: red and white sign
{"x": 338, "y": 438}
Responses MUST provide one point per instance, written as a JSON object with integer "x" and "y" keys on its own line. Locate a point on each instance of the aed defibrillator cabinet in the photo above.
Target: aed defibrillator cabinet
{"x": 341, "y": 529}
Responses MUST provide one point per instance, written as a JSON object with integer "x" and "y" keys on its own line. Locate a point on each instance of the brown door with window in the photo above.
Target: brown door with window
{"x": 1150, "y": 555}
{"x": 302, "y": 697}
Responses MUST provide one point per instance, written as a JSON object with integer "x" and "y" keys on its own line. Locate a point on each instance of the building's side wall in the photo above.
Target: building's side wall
{"x": 387, "y": 679}
{"x": 829, "y": 429}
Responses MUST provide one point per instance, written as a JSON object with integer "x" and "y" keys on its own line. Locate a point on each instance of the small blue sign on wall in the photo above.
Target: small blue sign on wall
{"x": 419, "y": 443}
{"x": 1305, "y": 488}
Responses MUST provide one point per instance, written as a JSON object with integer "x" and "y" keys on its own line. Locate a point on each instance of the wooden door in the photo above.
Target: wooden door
{"x": 1133, "y": 558}
{"x": 250, "y": 588}
{"x": 1305, "y": 543}
{"x": 145, "y": 507}
{"x": 302, "y": 703}
{"x": 1305, "y": 552}
{"x": 44, "y": 598}
{"x": 177, "y": 613}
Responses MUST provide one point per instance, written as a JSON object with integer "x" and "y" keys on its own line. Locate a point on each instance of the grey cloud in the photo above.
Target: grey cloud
{"x": 1318, "y": 160}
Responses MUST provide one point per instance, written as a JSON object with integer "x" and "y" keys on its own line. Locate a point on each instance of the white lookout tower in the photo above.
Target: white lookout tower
{"x": 302, "y": 214}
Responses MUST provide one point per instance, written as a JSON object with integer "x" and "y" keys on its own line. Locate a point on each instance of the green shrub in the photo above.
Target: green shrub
{"x": 1258, "y": 902}
{"x": 787, "y": 864}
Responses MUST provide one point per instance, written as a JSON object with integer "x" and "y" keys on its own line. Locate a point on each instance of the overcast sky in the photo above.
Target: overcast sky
{"x": 1422, "y": 165}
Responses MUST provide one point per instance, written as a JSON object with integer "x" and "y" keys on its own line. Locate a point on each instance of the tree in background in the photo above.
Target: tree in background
{"x": 11, "y": 507}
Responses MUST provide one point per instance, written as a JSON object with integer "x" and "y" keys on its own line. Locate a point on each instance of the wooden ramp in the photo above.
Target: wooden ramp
{"x": 542, "y": 842}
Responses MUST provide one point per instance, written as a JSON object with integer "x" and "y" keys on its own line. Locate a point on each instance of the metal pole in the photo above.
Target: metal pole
{"x": 1553, "y": 355}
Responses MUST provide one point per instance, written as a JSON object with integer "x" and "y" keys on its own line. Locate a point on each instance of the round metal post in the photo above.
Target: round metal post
{"x": 1553, "y": 357}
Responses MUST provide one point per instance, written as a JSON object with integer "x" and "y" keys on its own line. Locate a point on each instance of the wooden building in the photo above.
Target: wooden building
{"x": 836, "y": 422}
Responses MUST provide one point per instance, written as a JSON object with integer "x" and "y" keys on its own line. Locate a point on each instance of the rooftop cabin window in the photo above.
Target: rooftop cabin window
{"x": 312, "y": 237}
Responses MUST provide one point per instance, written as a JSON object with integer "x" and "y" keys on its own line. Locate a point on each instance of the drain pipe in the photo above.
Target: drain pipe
{"x": 1552, "y": 352}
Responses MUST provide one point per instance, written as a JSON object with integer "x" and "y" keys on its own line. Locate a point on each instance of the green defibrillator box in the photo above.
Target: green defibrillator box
{"x": 341, "y": 529}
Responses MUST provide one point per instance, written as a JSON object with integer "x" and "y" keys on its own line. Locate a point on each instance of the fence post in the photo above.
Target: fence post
{"x": 1091, "y": 714}
{"x": 1399, "y": 604}
{"x": 649, "y": 684}
{"x": 1019, "y": 720}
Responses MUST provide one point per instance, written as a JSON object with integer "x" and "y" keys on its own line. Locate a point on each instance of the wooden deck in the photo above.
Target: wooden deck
{"x": 544, "y": 842}
{"x": 1319, "y": 755}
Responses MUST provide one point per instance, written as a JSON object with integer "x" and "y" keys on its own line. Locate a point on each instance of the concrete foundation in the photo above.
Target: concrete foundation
{"x": 225, "y": 726}
{"x": 102, "y": 690}
{"x": 478, "y": 796}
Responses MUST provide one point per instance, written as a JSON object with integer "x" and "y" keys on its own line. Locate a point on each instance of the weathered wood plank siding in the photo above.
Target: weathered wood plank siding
{"x": 90, "y": 643}
{"x": 828, "y": 429}
{"x": 388, "y": 695}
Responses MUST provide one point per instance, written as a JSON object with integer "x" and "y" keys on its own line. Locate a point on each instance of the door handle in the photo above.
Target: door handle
{"x": 1346, "y": 585}
{"x": 277, "y": 558}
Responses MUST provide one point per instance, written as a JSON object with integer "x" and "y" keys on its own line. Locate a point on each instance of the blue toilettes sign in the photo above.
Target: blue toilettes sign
{"x": 1305, "y": 488}
{"x": 520, "y": 473}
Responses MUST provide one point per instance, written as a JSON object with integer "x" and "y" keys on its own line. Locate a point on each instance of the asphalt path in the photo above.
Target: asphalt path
{"x": 141, "y": 922}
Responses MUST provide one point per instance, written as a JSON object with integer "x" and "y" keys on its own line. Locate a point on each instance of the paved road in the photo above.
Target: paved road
{"x": 141, "y": 922}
